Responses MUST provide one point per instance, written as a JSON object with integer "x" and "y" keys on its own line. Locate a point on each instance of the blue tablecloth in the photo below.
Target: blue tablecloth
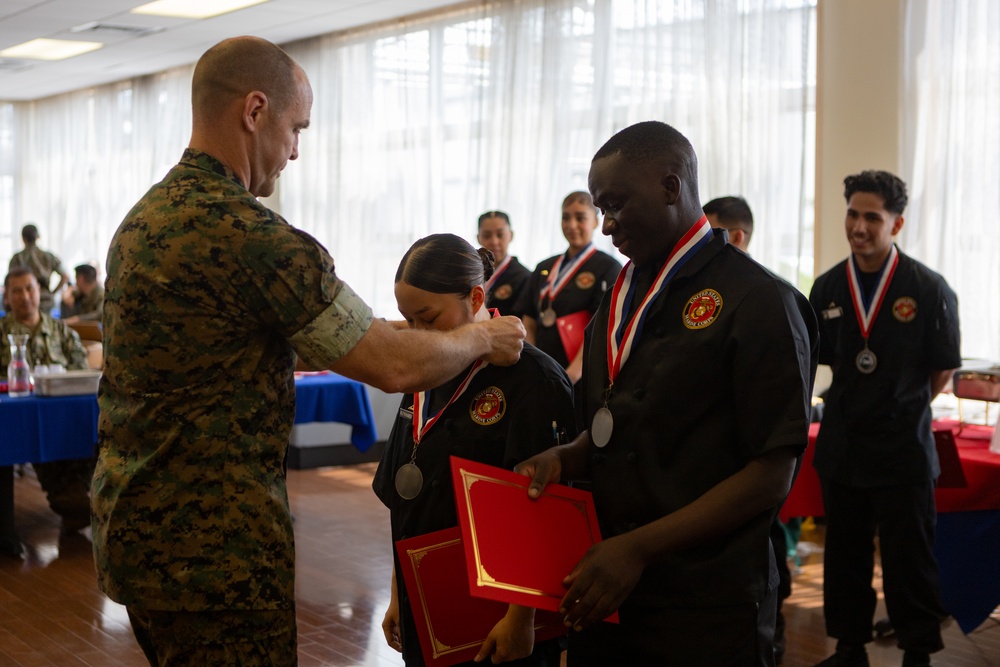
{"x": 34, "y": 429}
{"x": 968, "y": 552}
{"x": 333, "y": 398}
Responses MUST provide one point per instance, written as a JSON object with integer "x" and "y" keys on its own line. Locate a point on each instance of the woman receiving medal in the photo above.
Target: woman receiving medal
{"x": 510, "y": 277}
{"x": 569, "y": 284}
{"x": 490, "y": 414}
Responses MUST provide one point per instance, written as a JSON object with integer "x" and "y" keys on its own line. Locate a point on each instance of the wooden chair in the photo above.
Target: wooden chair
{"x": 89, "y": 331}
{"x": 93, "y": 340}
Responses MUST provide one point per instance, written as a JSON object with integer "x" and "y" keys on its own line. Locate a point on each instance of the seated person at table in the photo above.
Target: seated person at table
{"x": 86, "y": 302}
{"x": 51, "y": 342}
{"x": 486, "y": 413}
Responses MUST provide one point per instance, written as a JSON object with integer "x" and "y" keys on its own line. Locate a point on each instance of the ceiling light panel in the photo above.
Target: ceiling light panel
{"x": 49, "y": 49}
{"x": 193, "y": 9}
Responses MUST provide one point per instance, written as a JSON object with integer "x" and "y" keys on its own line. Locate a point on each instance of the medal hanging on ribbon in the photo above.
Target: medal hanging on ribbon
{"x": 622, "y": 334}
{"x": 559, "y": 277}
{"x": 866, "y": 309}
{"x": 409, "y": 480}
{"x": 497, "y": 272}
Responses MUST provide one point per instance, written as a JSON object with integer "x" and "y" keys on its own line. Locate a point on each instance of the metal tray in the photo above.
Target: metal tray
{"x": 978, "y": 385}
{"x": 70, "y": 383}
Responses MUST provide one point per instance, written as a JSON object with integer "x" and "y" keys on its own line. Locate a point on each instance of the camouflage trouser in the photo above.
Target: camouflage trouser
{"x": 222, "y": 638}
{"x": 67, "y": 485}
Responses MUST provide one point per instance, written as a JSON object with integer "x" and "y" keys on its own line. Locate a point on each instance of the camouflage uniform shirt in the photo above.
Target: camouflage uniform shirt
{"x": 209, "y": 297}
{"x": 88, "y": 307}
{"x": 43, "y": 264}
{"x": 52, "y": 342}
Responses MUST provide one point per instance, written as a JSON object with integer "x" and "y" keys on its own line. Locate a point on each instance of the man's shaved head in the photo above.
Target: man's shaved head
{"x": 235, "y": 67}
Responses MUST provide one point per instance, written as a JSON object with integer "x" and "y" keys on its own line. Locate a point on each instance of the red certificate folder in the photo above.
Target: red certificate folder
{"x": 571, "y": 328}
{"x": 452, "y": 624}
{"x": 517, "y": 549}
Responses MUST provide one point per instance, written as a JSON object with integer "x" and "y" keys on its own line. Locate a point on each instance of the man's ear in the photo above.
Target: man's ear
{"x": 897, "y": 224}
{"x": 671, "y": 184}
{"x": 254, "y": 106}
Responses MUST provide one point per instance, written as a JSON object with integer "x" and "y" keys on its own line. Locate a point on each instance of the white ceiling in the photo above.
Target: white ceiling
{"x": 177, "y": 42}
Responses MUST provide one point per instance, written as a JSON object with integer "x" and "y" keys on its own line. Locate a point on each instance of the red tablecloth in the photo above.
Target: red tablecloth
{"x": 968, "y": 523}
{"x": 981, "y": 467}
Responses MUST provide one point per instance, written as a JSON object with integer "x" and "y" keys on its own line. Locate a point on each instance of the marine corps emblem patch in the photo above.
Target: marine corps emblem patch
{"x": 488, "y": 406}
{"x": 702, "y": 309}
{"x": 585, "y": 280}
{"x": 904, "y": 309}
{"x": 503, "y": 292}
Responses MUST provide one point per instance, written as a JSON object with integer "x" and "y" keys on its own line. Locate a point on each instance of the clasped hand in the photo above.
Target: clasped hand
{"x": 606, "y": 574}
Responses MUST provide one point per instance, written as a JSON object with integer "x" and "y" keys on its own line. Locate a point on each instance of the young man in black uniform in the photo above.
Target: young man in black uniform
{"x": 889, "y": 330}
{"x": 734, "y": 215}
{"x": 697, "y": 412}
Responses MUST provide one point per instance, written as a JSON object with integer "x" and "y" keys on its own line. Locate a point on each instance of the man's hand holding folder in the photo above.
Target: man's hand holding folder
{"x": 520, "y": 549}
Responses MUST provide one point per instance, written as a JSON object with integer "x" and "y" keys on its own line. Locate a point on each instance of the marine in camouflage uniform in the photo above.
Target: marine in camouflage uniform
{"x": 210, "y": 296}
{"x": 51, "y": 342}
{"x": 86, "y": 307}
{"x": 42, "y": 264}
{"x": 65, "y": 483}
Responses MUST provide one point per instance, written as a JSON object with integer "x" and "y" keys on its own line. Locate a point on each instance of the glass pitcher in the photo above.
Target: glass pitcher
{"x": 18, "y": 370}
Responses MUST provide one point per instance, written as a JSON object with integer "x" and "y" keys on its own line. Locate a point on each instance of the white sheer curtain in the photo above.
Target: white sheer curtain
{"x": 9, "y": 242}
{"x": 419, "y": 127}
{"x": 951, "y": 143}
{"x": 85, "y": 158}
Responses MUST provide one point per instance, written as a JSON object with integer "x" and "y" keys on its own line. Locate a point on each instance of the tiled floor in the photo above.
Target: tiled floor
{"x": 51, "y": 613}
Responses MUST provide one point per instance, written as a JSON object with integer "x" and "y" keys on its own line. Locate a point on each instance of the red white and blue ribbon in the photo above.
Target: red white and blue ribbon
{"x": 622, "y": 335}
{"x": 866, "y": 307}
{"x": 422, "y": 421}
{"x": 559, "y": 276}
{"x": 497, "y": 272}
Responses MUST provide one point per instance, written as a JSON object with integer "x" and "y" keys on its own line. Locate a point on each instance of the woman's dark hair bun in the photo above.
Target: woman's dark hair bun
{"x": 489, "y": 262}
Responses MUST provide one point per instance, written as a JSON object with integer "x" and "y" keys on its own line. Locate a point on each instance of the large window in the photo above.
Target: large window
{"x": 10, "y": 240}
{"x": 951, "y": 143}
{"x": 421, "y": 127}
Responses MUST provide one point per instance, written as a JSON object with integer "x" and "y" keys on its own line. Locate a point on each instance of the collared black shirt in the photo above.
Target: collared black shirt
{"x": 583, "y": 292}
{"x": 506, "y": 293}
{"x": 876, "y": 428}
{"x": 535, "y": 392}
{"x": 703, "y": 393}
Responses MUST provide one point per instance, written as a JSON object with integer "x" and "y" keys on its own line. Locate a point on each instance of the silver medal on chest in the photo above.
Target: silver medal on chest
{"x": 866, "y": 361}
{"x": 409, "y": 481}
{"x": 602, "y": 426}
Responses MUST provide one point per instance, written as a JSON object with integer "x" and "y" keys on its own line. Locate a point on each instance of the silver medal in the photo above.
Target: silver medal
{"x": 601, "y": 427}
{"x": 409, "y": 481}
{"x": 866, "y": 361}
{"x": 548, "y": 317}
